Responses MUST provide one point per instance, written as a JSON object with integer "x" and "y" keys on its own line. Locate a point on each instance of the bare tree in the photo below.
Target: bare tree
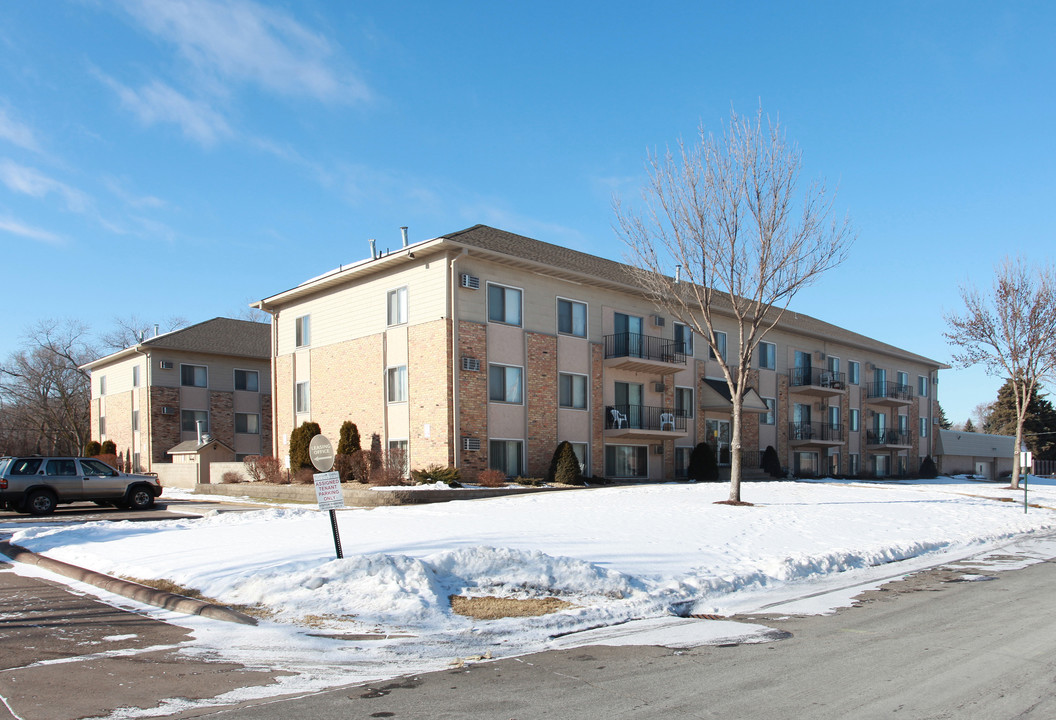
{"x": 1011, "y": 332}
{"x": 45, "y": 391}
{"x": 131, "y": 330}
{"x": 726, "y": 218}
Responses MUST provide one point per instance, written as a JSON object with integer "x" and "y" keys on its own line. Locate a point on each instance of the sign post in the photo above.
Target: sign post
{"x": 327, "y": 483}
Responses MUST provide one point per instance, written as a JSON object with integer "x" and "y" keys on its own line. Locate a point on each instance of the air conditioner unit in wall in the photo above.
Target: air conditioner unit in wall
{"x": 166, "y": 410}
{"x": 471, "y": 364}
{"x": 658, "y": 320}
{"x": 658, "y": 449}
{"x": 658, "y": 387}
{"x": 470, "y": 282}
{"x": 470, "y": 443}
{"x": 166, "y": 365}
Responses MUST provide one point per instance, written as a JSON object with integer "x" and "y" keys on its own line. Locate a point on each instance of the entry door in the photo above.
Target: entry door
{"x": 628, "y": 328}
{"x": 806, "y": 464}
{"x": 801, "y": 429}
{"x": 802, "y": 374}
{"x": 880, "y": 425}
{"x": 718, "y": 432}
{"x": 629, "y": 402}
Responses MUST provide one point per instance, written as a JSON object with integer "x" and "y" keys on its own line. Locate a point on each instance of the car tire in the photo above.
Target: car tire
{"x": 140, "y": 498}
{"x": 39, "y": 502}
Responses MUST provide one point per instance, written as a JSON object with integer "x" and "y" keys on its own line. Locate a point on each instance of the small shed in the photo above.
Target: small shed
{"x": 967, "y": 453}
{"x": 202, "y": 453}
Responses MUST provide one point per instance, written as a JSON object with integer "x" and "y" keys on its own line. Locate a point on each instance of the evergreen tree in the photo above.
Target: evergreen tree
{"x": 944, "y": 422}
{"x": 928, "y": 471}
{"x": 348, "y": 439}
{"x": 1039, "y": 425}
{"x": 969, "y": 426}
{"x": 564, "y": 466}
{"x": 300, "y": 438}
{"x": 771, "y": 462}
{"x": 703, "y": 467}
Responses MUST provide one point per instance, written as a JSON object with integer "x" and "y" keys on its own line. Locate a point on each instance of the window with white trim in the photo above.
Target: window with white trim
{"x": 506, "y": 456}
{"x": 102, "y": 384}
{"x": 247, "y": 423}
{"x": 923, "y": 427}
{"x": 397, "y": 302}
{"x": 767, "y": 355}
{"x": 572, "y": 391}
{"x": 303, "y": 331}
{"x": 626, "y": 461}
{"x": 135, "y": 421}
{"x": 396, "y": 384}
{"x": 853, "y": 371}
{"x": 504, "y": 304}
{"x": 684, "y": 402}
{"x": 189, "y": 420}
{"x": 571, "y": 317}
{"x": 505, "y": 384}
{"x": 194, "y": 376}
{"x": 247, "y": 380}
{"x": 770, "y": 416}
{"x": 684, "y": 339}
{"x": 854, "y": 419}
{"x": 135, "y": 376}
{"x": 720, "y": 343}
{"x": 922, "y": 386}
{"x": 302, "y": 397}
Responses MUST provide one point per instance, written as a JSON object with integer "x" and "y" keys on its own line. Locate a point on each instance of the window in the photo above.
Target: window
{"x": 572, "y": 391}
{"x": 580, "y": 449}
{"x": 770, "y": 416}
{"x": 303, "y": 331}
{"x": 682, "y": 461}
{"x": 247, "y": 380}
{"x": 922, "y": 386}
{"x": 720, "y": 343}
{"x": 397, "y": 456}
{"x": 903, "y": 380}
{"x": 684, "y": 402}
{"x": 396, "y": 384}
{"x": 504, "y": 305}
{"x": 136, "y": 467}
{"x": 247, "y": 423}
{"x": 194, "y": 376}
{"x": 834, "y": 464}
{"x": 854, "y": 462}
{"x": 684, "y": 339}
{"x": 505, "y": 384}
{"x": 834, "y": 416}
{"x": 853, "y": 370}
{"x": 855, "y": 419}
{"x": 102, "y": 384}
{"x": 505, "y": 455}
{"x": 102, "y": 426}
{"x": 923, "y": 427}
{"x": 90, "y": 466}
{"x": 767, "y": 356}
{"x": 571, "y": 318}
{"x": 833, "y": 364}
{"x": 626, "y": 461}
{"x": 135, "y": 421}
{"x": 880, "y": 465}
{"x": 189, "y": 420}
{"x": 398, "y": 306}
{"x": 302, "y": 397}
{"x": 135, "y": 376}
{"x": 63, "y": 467}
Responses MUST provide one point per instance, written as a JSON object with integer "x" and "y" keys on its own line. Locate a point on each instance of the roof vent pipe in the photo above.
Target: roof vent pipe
{"x": 373, "y": 249}
{"x": 156, "y": 329}
{"x": 403, "y": 231}
{"x": 678, "y": 273}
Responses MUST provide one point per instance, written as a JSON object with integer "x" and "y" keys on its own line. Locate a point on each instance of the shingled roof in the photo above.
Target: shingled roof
{"x": 219, "y": 336}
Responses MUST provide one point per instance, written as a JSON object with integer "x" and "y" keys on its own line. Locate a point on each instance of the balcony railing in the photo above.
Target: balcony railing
{"x": 642, "y": 417}
{"x": 888, "y": 437}
{"x": 815, "y": 431}
{"x": 816, "y": 377}
{"x": 890, "y": 391}
{"x": 646, "y": 347}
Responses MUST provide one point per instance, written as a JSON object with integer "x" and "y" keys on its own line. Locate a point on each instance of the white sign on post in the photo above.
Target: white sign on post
{"x": 328, "y": 490}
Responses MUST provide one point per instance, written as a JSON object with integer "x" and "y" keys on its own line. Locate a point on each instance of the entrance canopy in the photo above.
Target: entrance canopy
{"x": 715, "y": 395}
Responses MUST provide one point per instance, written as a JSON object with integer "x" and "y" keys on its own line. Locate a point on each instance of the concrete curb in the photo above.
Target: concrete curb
{"x": 126, "y": 588}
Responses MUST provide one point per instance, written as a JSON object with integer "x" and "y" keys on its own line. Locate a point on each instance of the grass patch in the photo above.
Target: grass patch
{"x": 169, "y": 586}
{"x": 495, "y": 608}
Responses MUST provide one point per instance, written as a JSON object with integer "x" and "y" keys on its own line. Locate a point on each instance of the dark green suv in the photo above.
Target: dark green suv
{"x": 37, "y": 484}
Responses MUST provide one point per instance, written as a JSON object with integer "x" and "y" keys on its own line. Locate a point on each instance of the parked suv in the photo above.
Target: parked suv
{"x": 37, "y": 484}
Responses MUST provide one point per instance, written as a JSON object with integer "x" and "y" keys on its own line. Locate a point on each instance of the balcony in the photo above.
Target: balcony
{"x": 817, "y": 382}
{"x": 889, "y": 393}
{"x": 643, "y": 422}
{"x": 888, "y": 439}
{"x": 818, "y": 434}
{"x": 644, "y": 353}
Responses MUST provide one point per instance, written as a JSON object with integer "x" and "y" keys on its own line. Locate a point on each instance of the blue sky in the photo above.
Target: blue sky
{"x": 185, "y": 157}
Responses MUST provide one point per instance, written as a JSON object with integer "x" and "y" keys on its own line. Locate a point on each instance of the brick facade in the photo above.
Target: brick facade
{"x": 473, "y": 397}
{"x": 165, "y": 431}
{"x": 222, "y": 417}
{"x": 597, "y": 404}
{"x": 541, "y": 399}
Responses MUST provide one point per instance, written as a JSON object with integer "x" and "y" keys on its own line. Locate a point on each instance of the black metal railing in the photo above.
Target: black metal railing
{"x": 818, "y": 431}
{"x": 892, "y": 390}
{"x": 887, "y": 437}
{"x": 816, "y": 377}
{"x": 647, "y": 347}
{"x": 751, "y": 459}
{"x": 642, "y": 417}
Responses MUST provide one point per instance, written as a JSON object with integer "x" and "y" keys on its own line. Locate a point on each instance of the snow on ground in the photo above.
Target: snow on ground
{"x": 620, "y": 555}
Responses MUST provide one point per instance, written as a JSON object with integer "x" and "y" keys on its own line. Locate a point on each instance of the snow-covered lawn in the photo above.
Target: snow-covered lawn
{"x": 617, "y": 554}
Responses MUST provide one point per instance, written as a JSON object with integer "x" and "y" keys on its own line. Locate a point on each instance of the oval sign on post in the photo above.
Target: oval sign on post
{"x": 321, "y": 453}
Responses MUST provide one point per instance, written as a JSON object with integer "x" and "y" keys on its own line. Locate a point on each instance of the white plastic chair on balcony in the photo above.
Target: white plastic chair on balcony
{"x": 618, "y": 418}
{"x": 667, "y": 419}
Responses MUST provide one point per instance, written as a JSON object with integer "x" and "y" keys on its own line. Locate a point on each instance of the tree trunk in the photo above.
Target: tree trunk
{"x": 735, "y": 451}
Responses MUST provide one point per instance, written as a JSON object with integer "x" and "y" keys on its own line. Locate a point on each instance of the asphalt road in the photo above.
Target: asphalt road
{"x": 933, "y": 646}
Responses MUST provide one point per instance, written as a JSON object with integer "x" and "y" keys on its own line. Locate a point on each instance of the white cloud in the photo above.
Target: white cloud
{"x": 158, "y": 103}
{"x": 26, "y": 231}
{"x": 242, "y": 41}
{"x": 16, "y": 132}
{"x": 28, "y": 181}
{"x": 137, "y": 201}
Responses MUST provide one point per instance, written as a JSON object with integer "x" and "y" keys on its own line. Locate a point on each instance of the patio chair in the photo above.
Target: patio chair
{"x": 618, "y": 418}
{"x": 667, "y": 419}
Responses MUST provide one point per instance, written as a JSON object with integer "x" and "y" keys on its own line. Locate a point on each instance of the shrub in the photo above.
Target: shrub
{"x": 304, "y": 476}
{"x": 375, "y": 458}
{"x": 231, "y": 477}
{"x": 564, "y": 466}
{"x": 395, "y": 469}
{"x": 108, "y": 458}
{"x": 491, "y": 478}
{"x": 348, "y": 439}
{"x": 358, "y": 467}
{"x": 109, "y": 447}
{"x": 703, "y": 466}
{"x": 771, "y": 462}
{"x": 264, "y": 469}
{"x": 299, "y": 441}
{"x": 436, "y": 473}
{"x": 128, "y": 461}
{"x": 92, "y": 448}
{"x": 928, "y": 471}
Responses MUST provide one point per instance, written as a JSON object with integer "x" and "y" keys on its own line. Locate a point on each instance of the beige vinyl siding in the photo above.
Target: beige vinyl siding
{"x": 360, "y": 310}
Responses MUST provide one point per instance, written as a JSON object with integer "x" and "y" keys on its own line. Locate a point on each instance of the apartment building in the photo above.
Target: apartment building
{"x": 211, "y": 378}
{"x": 483, "y": 348}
